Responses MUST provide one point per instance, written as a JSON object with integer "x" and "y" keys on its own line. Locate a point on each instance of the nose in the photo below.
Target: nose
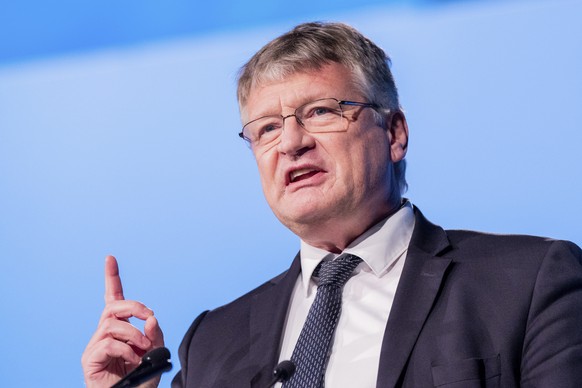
{"x": 294, "y": 140}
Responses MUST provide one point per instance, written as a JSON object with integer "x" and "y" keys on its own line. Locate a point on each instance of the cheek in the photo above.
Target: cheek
{"x": 356, "y": 159}
{"x": 267, "y": 167}
{"x": 368, "y": 163}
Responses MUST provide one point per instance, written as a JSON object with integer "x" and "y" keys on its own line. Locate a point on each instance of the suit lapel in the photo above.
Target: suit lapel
{"x": 419, "y": 284}
{"x": 267, "y": 320}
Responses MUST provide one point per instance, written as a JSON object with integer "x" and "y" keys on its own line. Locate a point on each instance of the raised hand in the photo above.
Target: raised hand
{"x": 117, "y": 346}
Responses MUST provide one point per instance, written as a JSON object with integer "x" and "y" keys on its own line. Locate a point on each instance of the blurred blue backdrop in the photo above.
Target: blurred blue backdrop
{"x": 118, "y": 134}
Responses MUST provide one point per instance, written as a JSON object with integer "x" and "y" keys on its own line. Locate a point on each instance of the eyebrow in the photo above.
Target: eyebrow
{"x": 302, "y": 101}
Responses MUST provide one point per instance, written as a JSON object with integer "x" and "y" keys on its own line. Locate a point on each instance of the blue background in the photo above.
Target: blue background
{"x": 118, "y": 135}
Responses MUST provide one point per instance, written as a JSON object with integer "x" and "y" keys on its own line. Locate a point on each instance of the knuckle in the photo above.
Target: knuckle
{"x": 110, "y": 345}
{"x": 107, "y": 325}
{"x": 108, "y": 310}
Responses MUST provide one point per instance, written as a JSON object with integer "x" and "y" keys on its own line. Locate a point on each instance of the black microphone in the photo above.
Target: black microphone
{"x": 283, "y": 372}
{"x": 153, "y": 363}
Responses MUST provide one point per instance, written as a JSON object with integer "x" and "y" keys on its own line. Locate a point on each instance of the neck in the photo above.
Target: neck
{"x": 336, "y": 235}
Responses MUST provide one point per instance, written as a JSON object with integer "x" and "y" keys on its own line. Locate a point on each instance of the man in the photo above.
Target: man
{"x": 420, "y": 306}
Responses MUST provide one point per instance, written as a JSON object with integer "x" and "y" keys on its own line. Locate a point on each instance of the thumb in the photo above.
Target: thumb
{"x": 153, "y": 331}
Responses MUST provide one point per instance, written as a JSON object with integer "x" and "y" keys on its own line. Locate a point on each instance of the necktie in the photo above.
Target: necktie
{"x": 312, "y": 350}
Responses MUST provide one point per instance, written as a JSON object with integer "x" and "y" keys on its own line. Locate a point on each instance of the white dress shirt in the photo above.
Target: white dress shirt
{"x": 366, "y": 301}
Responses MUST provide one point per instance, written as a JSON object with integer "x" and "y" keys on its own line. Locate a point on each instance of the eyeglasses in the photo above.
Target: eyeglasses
{"x": 323, "y": 115}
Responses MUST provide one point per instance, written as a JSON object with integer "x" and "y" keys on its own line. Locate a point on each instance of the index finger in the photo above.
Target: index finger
{"x": 113, "y": 287}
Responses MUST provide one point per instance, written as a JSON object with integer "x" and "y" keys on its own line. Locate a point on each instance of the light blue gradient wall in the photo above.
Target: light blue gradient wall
{"x": 134, "y": 152}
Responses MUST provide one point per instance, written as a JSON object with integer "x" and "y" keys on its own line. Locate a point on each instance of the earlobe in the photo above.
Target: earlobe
{"x": 398, "y": 135}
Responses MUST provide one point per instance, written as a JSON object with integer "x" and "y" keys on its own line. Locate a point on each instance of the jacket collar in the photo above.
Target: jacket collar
{"x": 422, "y": 277}
{"x": 267, "y": 321}
{"x": 423, "y": 274}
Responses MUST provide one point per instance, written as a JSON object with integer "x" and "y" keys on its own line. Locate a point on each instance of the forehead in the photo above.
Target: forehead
{"x": 273, "y": 97}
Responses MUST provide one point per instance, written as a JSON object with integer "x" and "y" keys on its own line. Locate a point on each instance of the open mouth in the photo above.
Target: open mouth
{"x": 302, "y": 174}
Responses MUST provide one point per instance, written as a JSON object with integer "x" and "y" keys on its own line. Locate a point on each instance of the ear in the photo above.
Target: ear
{"x": 397, "y": 130}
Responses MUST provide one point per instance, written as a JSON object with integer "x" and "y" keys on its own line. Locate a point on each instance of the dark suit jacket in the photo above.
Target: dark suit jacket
{"x": 471, "y": 310}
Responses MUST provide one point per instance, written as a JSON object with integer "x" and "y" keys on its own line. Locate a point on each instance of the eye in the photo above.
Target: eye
{"x": 268, "y": 127}
{"x": 321, "y": 110}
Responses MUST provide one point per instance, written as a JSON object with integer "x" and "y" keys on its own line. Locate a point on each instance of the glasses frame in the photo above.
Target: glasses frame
{"x": 340, "y": 103}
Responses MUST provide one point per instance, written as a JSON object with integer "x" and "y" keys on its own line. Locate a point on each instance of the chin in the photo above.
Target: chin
{"x": 307, "y": 216}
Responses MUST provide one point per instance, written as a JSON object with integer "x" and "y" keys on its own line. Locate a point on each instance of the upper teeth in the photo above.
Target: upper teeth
{"x": 296, "y": 173}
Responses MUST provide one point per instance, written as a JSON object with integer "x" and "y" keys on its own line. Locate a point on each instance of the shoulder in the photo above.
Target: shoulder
{"x": 480, "y": 247}
{"x": 514, "y": 264}
{"x": 219, "y": 336}
{"x": 518, "y": 247}
{"x": 229, "y": 314}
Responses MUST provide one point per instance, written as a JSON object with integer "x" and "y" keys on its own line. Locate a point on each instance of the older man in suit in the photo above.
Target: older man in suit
{"x": 420, "y": 306}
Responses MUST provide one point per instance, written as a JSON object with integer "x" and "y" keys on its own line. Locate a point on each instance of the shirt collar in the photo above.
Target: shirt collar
{"x": 378, "y": 247}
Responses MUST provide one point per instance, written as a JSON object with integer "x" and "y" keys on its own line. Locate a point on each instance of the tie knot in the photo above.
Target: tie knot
{"x": 338, "y": 271}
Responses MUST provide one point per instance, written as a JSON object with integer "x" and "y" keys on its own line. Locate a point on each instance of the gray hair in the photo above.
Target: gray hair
{"x": 310, "y": 46}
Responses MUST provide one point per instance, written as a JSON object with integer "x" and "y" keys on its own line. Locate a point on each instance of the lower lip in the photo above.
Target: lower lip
{"x": 313, "y": 179}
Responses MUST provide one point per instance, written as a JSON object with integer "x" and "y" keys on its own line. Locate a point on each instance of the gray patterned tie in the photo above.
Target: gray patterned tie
{"x": 312, "y": 350}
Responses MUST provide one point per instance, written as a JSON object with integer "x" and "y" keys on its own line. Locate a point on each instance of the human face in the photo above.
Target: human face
{"x": 328, "y": 188}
